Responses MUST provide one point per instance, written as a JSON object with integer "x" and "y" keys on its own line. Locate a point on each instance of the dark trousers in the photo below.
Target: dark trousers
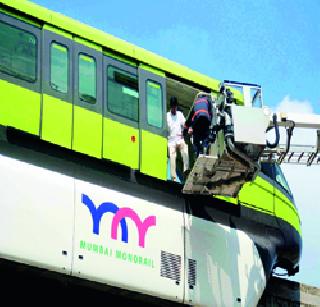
{"x": 200, "y": 134}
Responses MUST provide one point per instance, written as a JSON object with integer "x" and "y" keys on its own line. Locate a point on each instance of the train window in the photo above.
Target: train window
{"x": 123, "y": 94}
{"x": 87, "y": 78}
{"x": 281, "y": 179}
{"x": 266, "y": 168}
{"x": 18, "y": 53}
{"x": 154, "y": 104}
{"x": 59, "y": 67}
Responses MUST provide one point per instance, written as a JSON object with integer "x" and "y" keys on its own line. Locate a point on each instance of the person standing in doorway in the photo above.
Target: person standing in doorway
{"x": 175, "y": 124}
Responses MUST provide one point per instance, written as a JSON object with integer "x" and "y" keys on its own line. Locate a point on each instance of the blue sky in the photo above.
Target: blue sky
{"x": 275, "y": 43}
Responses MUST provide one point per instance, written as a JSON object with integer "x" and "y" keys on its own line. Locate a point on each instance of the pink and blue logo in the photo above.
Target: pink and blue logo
{"x": 119, "y": 217}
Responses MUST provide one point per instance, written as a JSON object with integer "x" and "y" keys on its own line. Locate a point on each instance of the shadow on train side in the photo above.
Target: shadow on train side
{"x": 22, "y": 284}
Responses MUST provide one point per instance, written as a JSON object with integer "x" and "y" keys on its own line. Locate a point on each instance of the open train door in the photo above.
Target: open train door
{"x": 152, "y": 122}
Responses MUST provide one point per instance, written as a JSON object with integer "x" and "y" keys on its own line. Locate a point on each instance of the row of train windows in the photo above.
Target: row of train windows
{"x": 18, "y": 57}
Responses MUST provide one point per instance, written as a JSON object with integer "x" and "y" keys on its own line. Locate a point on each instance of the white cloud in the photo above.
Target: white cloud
{"x": 295, "y": 106}
{"x": 300, "y": 136}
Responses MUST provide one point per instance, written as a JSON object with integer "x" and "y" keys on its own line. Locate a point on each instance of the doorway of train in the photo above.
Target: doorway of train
{"x": 185, "y": 95}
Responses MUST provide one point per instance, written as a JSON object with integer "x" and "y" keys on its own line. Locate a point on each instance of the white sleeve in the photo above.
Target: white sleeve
{"x": 168, "y": 122}
{"x": 182, "y": 119}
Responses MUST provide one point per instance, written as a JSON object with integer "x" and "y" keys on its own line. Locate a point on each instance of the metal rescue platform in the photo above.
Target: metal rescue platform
{"x": 239, "y": 142}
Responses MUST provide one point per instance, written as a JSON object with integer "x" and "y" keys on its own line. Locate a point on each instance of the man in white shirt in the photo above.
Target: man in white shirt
{"x": 175, "y": 123}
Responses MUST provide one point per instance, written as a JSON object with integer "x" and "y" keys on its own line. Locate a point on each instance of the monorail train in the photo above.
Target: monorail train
{"x": 86, "y": 190}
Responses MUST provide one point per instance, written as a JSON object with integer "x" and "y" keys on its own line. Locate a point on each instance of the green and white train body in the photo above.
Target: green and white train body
{"x": 99, "y": 227}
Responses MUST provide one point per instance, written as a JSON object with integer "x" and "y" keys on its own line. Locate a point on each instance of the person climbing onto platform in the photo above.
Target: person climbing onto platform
{"x": 175, "y": 124}
{"x": 198, "y": 122}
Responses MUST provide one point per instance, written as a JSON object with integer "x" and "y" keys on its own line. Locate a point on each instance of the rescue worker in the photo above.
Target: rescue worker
{"x": 198, "y": 122}
{"x": 175, "y": 124}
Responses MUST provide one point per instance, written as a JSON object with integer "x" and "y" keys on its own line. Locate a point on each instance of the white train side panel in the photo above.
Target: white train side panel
{"x": 125, "y": 235}
{"x": 229, "y": 271}
{"x": 36, "y": 221}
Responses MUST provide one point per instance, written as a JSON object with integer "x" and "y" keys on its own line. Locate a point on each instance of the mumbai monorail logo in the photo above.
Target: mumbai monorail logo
{"x": 119, "y": 217}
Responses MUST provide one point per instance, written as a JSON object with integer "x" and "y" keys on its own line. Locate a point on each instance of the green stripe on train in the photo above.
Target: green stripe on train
{"x": 87, "y": 132}
{"x": 56, "y": 121}
{"x": 153, "y": 70}
{"x": 121, "y": 143}
{"x": 20, "y": 17}
{"x": 286, "y": 210}
{"x": 262, "y": 196}
{"x": 153, "y": 160}
{"x": 258, "y": 194}
{"x": 57, "y": 31}
{"x": 19, "y": 107}
{"x": 228, "y": 199}
{"x": 87, "y": 43}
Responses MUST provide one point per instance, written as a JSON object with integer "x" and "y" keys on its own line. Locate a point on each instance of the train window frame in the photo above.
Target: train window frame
{"x": 68, "y": 67}
{"x": 107, "y": 99}
{"x": 83, "y": 54}
{"x": 160, "y": 111}
{"x": 15, "y": 74}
